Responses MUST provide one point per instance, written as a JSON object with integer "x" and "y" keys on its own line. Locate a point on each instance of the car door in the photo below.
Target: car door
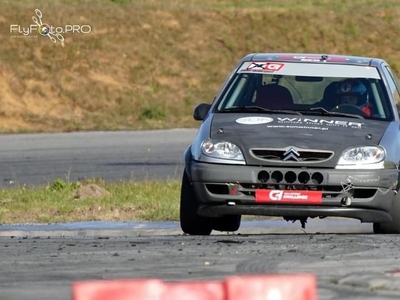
{"x": 394, "y": 130}
{"x": 393, "y": 85}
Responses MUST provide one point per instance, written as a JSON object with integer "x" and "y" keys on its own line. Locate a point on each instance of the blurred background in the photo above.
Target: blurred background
{"x": 146, "y": 64}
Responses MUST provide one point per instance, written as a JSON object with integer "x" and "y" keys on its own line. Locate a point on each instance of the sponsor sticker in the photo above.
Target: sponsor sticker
{"x": 254, "y": 120}
{"x": 265, "y": 66}
{"x": 288, "y": 197}
{"x": 319, "y": 122}
{"x": 313, "y": 58}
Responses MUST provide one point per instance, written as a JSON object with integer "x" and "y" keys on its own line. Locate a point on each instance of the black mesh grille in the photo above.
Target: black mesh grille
{"x": 281, "y": 155}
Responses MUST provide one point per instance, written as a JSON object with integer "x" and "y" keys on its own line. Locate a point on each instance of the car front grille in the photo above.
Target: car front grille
{"x": 291, "y": 154}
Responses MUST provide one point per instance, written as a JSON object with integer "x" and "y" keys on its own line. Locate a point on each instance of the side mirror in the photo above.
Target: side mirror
{"x": 200, "y": 111}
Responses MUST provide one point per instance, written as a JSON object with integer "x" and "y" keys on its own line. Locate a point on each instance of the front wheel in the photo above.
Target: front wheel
{"x": 394, "y": 225}
{"x": 191, "y": 222}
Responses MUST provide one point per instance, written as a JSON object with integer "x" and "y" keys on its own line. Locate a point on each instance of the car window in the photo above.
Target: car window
{"x": 391, "y": 78}
{"x": 340, "y": 88}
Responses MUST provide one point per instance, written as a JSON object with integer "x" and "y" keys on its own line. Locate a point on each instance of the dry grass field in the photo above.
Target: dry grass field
{"x": 146, "y": 63}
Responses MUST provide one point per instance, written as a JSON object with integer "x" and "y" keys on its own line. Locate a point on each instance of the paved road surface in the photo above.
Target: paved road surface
{"x": 33, "y": 159}
{"x": 42, "y": 264}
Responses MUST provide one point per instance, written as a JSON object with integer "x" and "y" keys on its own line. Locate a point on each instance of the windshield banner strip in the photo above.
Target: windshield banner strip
{"x": 310, "y": 69}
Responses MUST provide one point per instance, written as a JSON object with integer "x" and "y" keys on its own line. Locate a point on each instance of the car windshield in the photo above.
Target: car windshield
{"x": 307, "y": 88}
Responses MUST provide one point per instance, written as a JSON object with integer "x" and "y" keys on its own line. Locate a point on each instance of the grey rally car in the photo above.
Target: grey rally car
{"x": 298, "y": 136}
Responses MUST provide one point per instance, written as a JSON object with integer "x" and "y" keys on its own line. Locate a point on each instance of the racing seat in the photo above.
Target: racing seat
{"x": 328, "y": 101}
{"x": 273, "y": 96}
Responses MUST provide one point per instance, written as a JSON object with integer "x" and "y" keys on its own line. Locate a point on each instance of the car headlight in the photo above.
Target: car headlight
{"x": 362, "y": 157}
{"x": 221, "y": 150}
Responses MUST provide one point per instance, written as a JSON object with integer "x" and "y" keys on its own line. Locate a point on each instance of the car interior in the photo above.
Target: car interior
{"x": 302, "y": 93}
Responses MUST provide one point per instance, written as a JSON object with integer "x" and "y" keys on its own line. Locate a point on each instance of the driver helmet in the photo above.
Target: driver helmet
{"x": 353, "y": 91}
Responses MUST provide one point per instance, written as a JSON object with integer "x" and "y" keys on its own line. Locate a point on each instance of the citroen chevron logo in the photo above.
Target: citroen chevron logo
{"x": 291, "y": 154}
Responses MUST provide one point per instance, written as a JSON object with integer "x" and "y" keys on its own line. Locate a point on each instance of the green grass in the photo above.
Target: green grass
{"x": 56, "y": 202}
{"x": 127, "y": 201}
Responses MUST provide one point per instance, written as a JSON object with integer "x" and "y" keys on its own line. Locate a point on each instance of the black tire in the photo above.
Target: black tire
{"x": 226, "y": 223}
{"x": 394, "y": 226}
{"x": 191, "y": 222}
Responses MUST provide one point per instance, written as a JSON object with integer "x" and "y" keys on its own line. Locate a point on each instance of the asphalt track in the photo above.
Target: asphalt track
{"x": 34, "y": 159}
{"x": 41, "y": 262}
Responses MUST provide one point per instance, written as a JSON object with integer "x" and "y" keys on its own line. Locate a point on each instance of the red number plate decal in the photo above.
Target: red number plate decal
{"x": 288, "y": 197}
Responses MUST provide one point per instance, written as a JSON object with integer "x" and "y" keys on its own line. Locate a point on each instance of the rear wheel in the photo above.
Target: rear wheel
{"x": 226, "y": 223}
{"x": 394, "y": 226}
{"x": 191, "y": 222}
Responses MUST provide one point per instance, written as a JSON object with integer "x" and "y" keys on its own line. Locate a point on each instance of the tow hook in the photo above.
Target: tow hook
{"x": 346, "y": 201}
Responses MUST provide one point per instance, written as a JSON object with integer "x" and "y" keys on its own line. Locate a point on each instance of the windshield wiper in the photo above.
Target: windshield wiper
{"x": 323, "y": 111}
{"x": 252, "y": 108}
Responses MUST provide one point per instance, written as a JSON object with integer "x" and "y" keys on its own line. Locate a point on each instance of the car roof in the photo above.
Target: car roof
{"x": 314, "y": 58}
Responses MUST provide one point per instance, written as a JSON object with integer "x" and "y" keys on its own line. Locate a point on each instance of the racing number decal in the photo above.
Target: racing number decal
{"x": 288, "y": 197}
{"x": 265, "y": 67}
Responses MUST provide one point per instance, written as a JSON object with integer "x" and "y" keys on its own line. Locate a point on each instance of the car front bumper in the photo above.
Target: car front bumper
{"x": 366, "y": 195}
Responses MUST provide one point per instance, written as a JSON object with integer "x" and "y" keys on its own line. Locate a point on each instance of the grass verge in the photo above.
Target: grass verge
{"x": 57, "y": 202}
